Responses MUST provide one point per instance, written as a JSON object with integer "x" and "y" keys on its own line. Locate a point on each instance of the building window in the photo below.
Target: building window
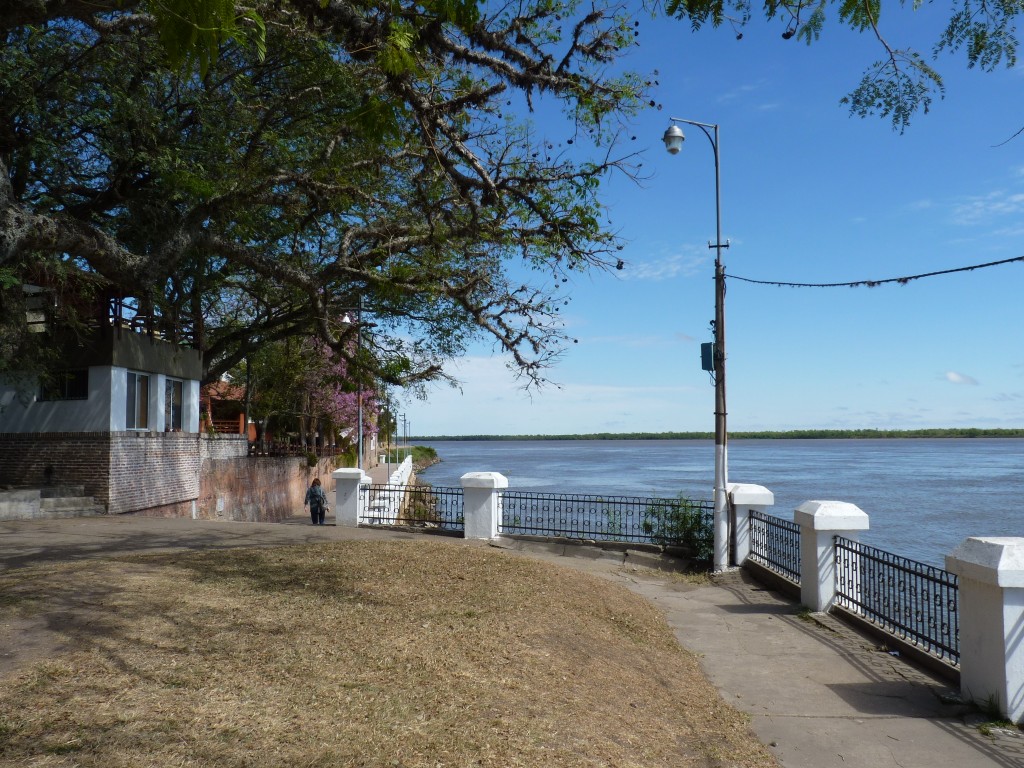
{"x": 172, "y": 405}
{"x": 66, "y": 385}
{"x": 137, "y": 406}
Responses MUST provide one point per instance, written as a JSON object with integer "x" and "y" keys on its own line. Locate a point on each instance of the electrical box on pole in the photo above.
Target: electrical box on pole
{"x": 707, "y": 357}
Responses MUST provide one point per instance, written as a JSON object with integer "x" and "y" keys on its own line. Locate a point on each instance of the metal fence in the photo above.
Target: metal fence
{"x": 611, "y": 518}
{"x": 775, "y": 544}
{"x": 912, "y": 600}
{"x": 419, "y": 506}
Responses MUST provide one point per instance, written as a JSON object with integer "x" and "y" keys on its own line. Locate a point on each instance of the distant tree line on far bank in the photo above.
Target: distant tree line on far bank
{"x": 793, "y": 434}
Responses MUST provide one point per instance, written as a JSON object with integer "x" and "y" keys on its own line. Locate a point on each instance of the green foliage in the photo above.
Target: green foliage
{"x": 986, "y": 33}
{"x": 193, "y": 31}
{"x": 327, "y": 154}
{"x": 347, "y": 458}
{"x": 680, "y": 522}
{"x": 698, "y": 12}
{"x": 423, "y": 453}
{"x": 859, "y": 15}
{"x": 462, "y": 13}
{"x": 422, "y": 506}
{"x": 9, "y": 279}
{"x": 991, "y": 708}
{"x": 897, "y": 94}
{"x": 395, "y": 56}
{"x": 614, "y": 522}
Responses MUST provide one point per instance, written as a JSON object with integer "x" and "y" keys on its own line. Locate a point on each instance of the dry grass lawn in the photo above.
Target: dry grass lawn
{"x": 423, "y": 654}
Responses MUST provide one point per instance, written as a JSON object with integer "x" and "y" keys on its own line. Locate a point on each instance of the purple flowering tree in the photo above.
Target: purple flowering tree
{"x": 332, "y": 393}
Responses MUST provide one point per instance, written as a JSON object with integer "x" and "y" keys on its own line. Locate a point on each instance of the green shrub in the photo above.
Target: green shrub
{"x": 680, "y": 522}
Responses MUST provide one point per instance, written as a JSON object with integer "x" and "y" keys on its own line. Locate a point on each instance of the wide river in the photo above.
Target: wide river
{"x": 923, "y": 496}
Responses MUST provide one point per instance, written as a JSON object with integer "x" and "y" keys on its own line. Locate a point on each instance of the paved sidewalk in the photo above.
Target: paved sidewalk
{"x": 818, "y": 693}
{"x": 379, "y": 473}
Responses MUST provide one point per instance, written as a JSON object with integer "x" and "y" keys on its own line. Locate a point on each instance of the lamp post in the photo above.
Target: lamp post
{"x": 359, "y": 393}
{"x": 673, "y": 139}
{"x": 401, "y": 435}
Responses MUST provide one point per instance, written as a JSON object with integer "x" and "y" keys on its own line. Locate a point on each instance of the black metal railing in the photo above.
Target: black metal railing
{"x": 915, "y": 601}
{"x": 420, "y": 506}
{"x": 775, "y": 544}
{"x": 611, "y": 518}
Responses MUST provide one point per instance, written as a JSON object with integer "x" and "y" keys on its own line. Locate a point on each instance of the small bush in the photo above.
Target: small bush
{"x": 680, "y": 522}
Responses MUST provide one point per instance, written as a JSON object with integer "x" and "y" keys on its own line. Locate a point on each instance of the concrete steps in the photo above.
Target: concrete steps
{"x": 47, "y": 503}
{"x": 59, "y": 491}
{"x": 69, "y": 506}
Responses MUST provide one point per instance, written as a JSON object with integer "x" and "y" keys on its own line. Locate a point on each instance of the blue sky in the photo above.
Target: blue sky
{"x": 809, "y": 194}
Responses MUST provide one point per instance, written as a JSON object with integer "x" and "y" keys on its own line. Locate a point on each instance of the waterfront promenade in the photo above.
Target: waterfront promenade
{"x": 816, "y": 692}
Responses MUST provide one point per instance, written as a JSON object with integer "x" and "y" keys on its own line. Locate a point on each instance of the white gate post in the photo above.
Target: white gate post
{"x": 346, "y": 495}
{"x": 990, "y": 575}
{"x": 744, "y": 498}
{"x": 481, "y": 497}
{"x": 819, "y": 521}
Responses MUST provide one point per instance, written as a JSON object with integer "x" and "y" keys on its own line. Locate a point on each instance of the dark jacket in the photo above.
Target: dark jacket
{"x": 316, "y": 496}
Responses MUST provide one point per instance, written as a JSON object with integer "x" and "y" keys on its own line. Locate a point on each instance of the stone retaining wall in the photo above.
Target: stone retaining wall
{"x": 171, "y": 474}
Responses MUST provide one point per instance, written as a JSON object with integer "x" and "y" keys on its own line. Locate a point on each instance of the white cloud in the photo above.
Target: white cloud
{"x": 668, "y": 267}
{"x": 491, "y": 402}
{"x": 1008, "y": 397}
{"x": 960, "y": 378}
{"x": 978, "y": 210}
{"x": 740, "y": 92}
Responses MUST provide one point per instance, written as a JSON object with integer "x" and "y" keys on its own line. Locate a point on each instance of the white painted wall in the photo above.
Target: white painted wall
{"x": 991, "y": 603}
{"x": 104, "y": 411}
{"x": 28, "y": 414}
{"x": 190, "y": 406}
{"x": 118, "y": 398}
{"x": 386, "y": 505}
{"x": 819, "y": 522}
{"x": 481, "y": 495}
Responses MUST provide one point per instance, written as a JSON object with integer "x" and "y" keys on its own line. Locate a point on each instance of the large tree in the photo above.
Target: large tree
{"x": 368, "y": 159}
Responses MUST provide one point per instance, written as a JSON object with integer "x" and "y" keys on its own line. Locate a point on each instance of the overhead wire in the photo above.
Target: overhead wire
{"x": 874, "y": 283}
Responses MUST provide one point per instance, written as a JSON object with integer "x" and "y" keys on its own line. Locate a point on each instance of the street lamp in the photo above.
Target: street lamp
{"x": 673, "y": 139}
{"x": 347, "y": 320}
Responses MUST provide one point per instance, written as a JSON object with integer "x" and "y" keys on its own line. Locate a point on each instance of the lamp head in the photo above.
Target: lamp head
{"x": 673, "y": 139}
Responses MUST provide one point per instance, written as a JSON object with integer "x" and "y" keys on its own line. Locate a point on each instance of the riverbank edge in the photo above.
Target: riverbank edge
{"x": 798, "y": 434}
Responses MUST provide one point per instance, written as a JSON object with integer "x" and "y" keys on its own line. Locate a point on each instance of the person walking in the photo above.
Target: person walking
{"x": 316, "y": 500}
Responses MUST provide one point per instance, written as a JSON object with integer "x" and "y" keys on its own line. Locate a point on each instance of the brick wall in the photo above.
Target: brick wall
{"x": 37, "y": 460}
{"x": 172, "y": 474}
{"x": 255, "y": 489}
{"x": 218, "y": 446}
{"x": 152, "y": 469}
{"x": 262, "y": 489}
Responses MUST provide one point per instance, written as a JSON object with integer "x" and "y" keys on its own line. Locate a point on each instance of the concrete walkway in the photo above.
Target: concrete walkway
{"x": 818, "y": 693}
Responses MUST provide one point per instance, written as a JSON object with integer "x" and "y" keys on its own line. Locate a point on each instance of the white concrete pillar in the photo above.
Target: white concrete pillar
{"x": 346, "y": 495}
{"x": 819, "y": 522}
{"x": 481, "y": 496}
{"x": 990, "y": 575}
{"x": 745, "y": 497}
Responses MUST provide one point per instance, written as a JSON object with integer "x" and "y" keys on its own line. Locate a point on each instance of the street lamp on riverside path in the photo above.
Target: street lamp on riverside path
{"x": 673, "y": 139}
{"x": 347, "y": 320}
